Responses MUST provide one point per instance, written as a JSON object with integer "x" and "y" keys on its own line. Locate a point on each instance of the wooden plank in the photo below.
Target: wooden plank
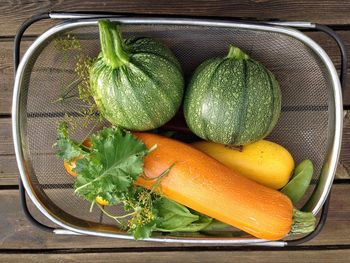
{"x": 8, "y": 170}
{"x": 7, "y": 73}
{"x": 7, "y": 80}
{"x": 6, "y": 144}
{"x": 315, "y": 11}
{"x": 18, "y": 233}
{"x": 313, "y": 256}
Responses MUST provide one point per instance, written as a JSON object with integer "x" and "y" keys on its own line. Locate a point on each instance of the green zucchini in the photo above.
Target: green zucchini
{"x": 232, "y": 100}
{"x": 137, "y": 83}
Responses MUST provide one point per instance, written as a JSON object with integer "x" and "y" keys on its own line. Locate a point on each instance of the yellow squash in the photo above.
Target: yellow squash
{"x": 265, "y": 162}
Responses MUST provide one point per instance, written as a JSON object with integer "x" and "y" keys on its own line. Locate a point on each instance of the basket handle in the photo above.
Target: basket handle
{"x": 84, "y": 15}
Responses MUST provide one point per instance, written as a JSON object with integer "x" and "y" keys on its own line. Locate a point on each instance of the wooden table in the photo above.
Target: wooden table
{"x": 20, "y": 241}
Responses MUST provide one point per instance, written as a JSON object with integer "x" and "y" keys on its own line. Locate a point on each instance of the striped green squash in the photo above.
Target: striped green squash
{"x": 136, "y": 83}
{"x": 233, "y": 100}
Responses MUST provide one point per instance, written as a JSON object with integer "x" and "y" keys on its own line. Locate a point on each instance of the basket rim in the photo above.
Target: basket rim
{"x": 318, "y": 197}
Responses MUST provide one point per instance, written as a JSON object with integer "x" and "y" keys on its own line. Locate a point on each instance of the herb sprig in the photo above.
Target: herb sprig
{"x": 78, "y": 90}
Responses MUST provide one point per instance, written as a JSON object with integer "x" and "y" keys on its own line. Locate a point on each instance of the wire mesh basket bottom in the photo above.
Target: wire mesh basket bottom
{"x": 303, "y": 127}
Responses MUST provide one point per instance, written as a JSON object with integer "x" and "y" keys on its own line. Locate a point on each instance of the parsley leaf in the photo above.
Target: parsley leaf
{"x": 68, "y": 149}
{"x": 109, "y": 170}
{"x": 112, "y": 166}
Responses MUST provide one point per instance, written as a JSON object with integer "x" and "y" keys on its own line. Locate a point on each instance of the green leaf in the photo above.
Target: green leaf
{"x": 144, "y": 231}
{"x": 114, "y": 163}
{"x": 214, "y": 225}
{"x": 68, "y": 149}
{"x": 198, "y": 225}
{"x": 300, "y": 181}
{"x": 173, "y": 215}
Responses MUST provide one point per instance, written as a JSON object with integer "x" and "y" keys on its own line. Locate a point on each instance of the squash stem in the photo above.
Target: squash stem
{"x": 112, "y": 44}
{"x": 303, "y": 222}
{"x": 236, "y": 53}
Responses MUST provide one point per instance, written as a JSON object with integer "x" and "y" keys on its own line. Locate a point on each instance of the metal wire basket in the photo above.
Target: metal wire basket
{"x": 310, "y": 124}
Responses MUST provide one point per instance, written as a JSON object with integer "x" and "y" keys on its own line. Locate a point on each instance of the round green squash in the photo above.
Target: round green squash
{"x": 233, "y": 100}
{"x": 136, "y": 83}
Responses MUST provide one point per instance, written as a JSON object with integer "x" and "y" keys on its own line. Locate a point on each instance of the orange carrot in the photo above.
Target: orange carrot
{"x": 205, "y": 185}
